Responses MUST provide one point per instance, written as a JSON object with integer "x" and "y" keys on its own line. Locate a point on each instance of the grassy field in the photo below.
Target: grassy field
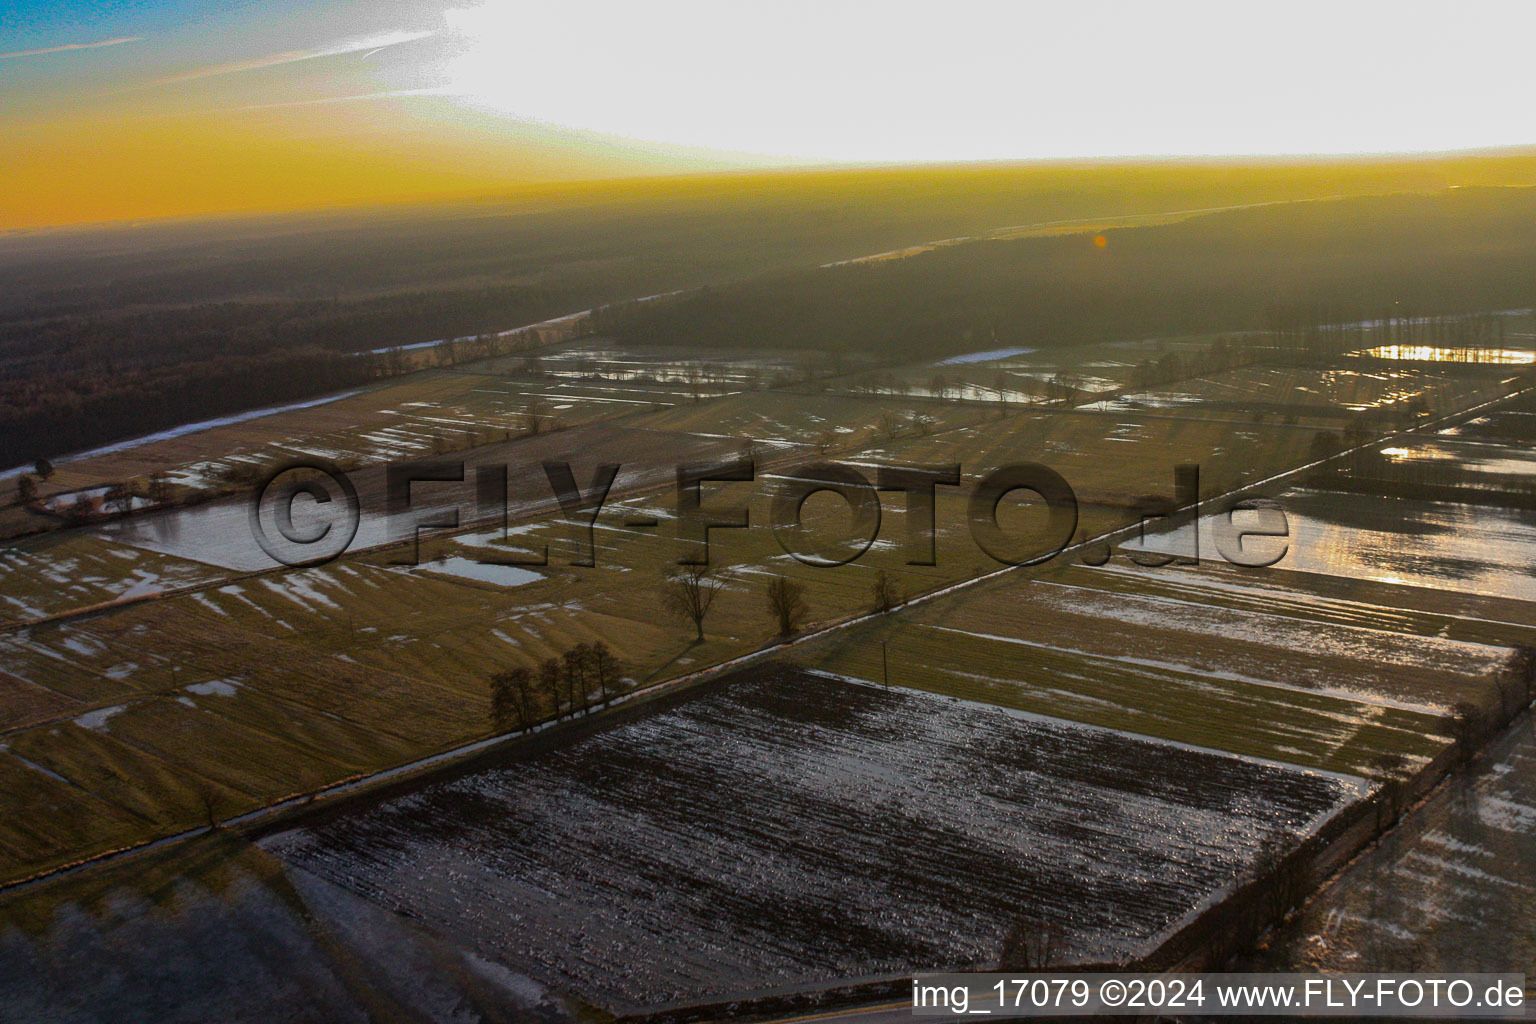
{"x": 50, "y": 574}
{"x": 1132, "y": 660}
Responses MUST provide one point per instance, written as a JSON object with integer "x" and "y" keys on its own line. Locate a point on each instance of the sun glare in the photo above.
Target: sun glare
{"x": 988, "y": 80}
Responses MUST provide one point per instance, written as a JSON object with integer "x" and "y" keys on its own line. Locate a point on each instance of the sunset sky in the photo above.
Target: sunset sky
{"x": 116, "y": 110}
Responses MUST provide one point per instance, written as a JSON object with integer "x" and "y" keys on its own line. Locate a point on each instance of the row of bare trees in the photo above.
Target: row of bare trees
{"x": 588, "y": 675}
{"x": 117, "y": 499}
{"x": 690, "y": 591}
{"x": 585, "y": 676}
{"x": 1474, "y": 723}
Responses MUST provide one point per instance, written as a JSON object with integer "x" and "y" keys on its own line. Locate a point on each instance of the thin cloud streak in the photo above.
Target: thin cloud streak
{"x": 368, "y": 43}
{"x": 119, "y": 41}
{"x": 391, "y": 94}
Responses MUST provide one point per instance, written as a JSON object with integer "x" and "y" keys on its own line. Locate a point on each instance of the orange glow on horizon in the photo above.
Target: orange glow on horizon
{"x": 142, "y": 112}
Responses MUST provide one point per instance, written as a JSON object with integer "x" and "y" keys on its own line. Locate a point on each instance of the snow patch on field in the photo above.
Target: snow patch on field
{"x": 1507, "y": 815}
{"x": 97, "y": 719}
{"x": 215, "y": 687}
{"x": 1276, "y": 629}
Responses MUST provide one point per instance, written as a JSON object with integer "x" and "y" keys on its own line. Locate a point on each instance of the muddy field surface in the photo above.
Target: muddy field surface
{"x": 786, "y": 829}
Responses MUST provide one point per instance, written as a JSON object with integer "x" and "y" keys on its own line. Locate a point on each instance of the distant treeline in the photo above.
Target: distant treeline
{"x": 1356, "y": 259}
{"x": 78, "y": 381}
{"x": 49, "y": 415}
{"x": 109, "y": 337}
{"x": 32, "y": 344}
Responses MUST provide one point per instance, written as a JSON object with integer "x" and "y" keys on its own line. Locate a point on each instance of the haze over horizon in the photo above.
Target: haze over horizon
{"x": 119, "y": 110}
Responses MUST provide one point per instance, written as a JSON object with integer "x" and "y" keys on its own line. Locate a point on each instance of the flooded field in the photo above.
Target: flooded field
{"x": 1473, "y": 549}
{"x": 1452, "y": 888}
{"x": 1101, "y": 749}
{"x": 713, "y": 369}
{"x": 787, "y": 828}
{"x": 1477, "y": 549}
{"x": 446, "y": 409}
{"x": 1474, "y": 458}
{"x": 1439, "y": 354}
{"x": 1508, "y": 424}
{"x": 219, "y": 532}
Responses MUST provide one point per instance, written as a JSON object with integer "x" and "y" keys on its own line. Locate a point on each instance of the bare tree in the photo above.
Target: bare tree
{"x": 889, "y": 424}
{"x": 84, "y": 506}
{"x": 1514, "y": 681}
{"x": 1467, "y": 729}
{"x": 605, "y": 667}
{"x": 512, "y": 699}
{"x": 1064, "y": 387}
{"x": 26, "y": 488}
{"x": 536, "y": 415}
{"x": 576, "y": 664}
{"x": 883, "y": 592}
{"x": 549, "y": 682}
{"x": 503, "y": 702}
{"x": 690, "y": 591}
{"x": 210, "y": 801}
{"x": 119, "y": 499}
{"x": 1030, "y": 945}
{"x": 1282, "y": 878}
{"x": 42, "y": 467}
{"x": 1221, "y": 935}
{"x": 826, "y": 440}
{"x": 1391, "y": 772}
{"x": 159, "y": 488}
{"x": 1524, "y": 664}
{"x": 786, "y": 603}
